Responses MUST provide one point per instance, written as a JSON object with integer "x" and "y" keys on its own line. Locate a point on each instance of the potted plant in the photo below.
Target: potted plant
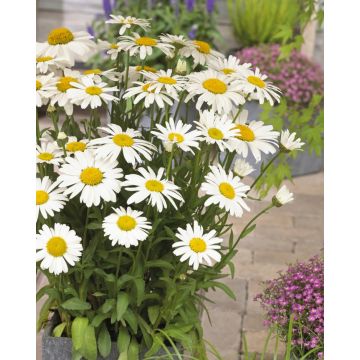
{"x": 132, "y": 219}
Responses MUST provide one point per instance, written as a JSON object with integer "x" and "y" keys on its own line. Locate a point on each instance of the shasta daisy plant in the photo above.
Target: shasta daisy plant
{"x": 134, "y": 208}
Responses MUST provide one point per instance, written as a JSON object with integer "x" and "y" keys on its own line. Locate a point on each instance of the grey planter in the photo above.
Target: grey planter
{"x": 59, "y": 348}
{"x": 304, "y": 163}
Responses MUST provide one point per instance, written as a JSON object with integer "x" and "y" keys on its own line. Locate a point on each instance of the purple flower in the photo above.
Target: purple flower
{"x": 175, "y": 6}
{"x": 190, "y": 5}
{"x": 192, "y": 32}
{"x": 90, "y": 30}
{"x": 298, "y": 291}
{"x": 107, "y": 8}
{"x": 210, "y": 4}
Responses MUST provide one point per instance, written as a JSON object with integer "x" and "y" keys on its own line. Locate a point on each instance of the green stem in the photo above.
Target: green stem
{"x": 85, "y": 230}
{"x": 127, "y": 64}
{"x": 178, "y": 106}
{"x": 229, "y": 161}
{"x": 168, "y": 169}
{"x": 264, "y": 170}
{"x": 37, "y": 128}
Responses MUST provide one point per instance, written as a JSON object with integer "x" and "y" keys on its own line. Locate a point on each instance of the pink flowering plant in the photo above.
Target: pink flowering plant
{"x": 298, "y": 292}
{"x": 297, "y": 75}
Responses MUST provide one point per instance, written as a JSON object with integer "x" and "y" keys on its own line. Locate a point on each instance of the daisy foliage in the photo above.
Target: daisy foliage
{"x": 140, "y": 171}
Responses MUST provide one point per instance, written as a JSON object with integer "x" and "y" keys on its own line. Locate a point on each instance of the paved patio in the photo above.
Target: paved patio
{"x": 284, "y": 235}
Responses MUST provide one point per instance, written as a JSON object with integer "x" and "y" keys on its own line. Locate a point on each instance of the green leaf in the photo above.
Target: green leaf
{"x": 75, "y": 304}
{"x": 98, "y": 319}
{"x": 104, "y": 342}
{"x": 123, "y": 340}
{"x": 153, "y": 312}
{"x": 248, "y": 231}
{"x": 107, "y": 306}
{"x": 122, "y": 304}
{"x": 133, "y": 351}
{"x": 89, "y": 347}
{"x": 130, "y": 318}
{"x": 94, "y": 226}
{"x": 78, "y": 327}
{"x": 160, "y": 264}
{"x": 57, "y": 332}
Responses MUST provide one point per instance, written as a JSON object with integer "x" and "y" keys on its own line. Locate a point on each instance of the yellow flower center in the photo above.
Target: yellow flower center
{"x": 123, "y": 140}
{"x": 93, "y": 90}
{"x": 246, "y": 134}
{"x": 44, "y": 58}
{"x": 56, "y": 246}
{"x": 75, "y": 146}
{"x": 91, "y": 176}
{"x": 64, "y": 83}
{"x": 41, "y": 197}
{"x": 154, "y": 185}
{"x": 203, "y": 46}
{"x": 38, "y": 85}
{"x": 166, "y": 80}
{"x": 92, "y": 71}
{"x": 227, "y": 190}
{"x": 256, "y": 81}
{"x": 228, "y": 71}
{"x": 146, "y": 68}
{"x": 215, "y": 134}
{"x": 145, "y": 41}
{"x": 215, "y": 86}
{"x": 60, "y": 36}
{"x": 45, "y": 156}
{"x": 197, "y": 245}
{"x": 126, "y": 223}
{"x": 146, "y": 87}
{"x": 114, "y": 46}
{"x": 176, "y": 137}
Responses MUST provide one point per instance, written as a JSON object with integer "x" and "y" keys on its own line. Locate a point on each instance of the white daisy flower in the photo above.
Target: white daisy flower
{"x": 143, "y": 45}
{"x": 225, "y": 190}
{"x": 242, "y": 168}
{"x": 72, "y": 46}
{"x": 49, "y": 153}
{"x": 253, "y": 82}
{"x": 63, "y": 84}
{"x": 128, "y": 141}
{"x": 49, "y": 63}
{"x": 88, "y": 92}
{"x": 44, "y": 88}
{"x": 126, "y": 227}
{"x": 216, "y": 129}
{"x": 288, "y": 141}
{"x": 152, "y": 186}
{"x": 253, "y": 136}
{"x": 110, "y": 74}
{"x": 134, "y": 73}
{"x": 112, "y": 49}
{"x": 58, "y": 247}
{"x": 197, "y": 246}
{"x": 177, "y": 41}
{"x": 200, "y": 51}
{"x": 48, "y": 198}
{"x": 178, "y": 134}
{"x": 74, "y": 145}
{"x": 230, "y": 66}
{"x": 127, "y": 22}
{"x": 142, "y": 92}
{"x": 283, "y": 196}
{"x": 215, "y": 89}
{"x": 164, "y": 80}
{"x": 93, "y": 177}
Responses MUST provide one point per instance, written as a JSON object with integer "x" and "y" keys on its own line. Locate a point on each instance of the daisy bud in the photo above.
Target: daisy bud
{"x": 282, "y": 197}
{"x": 242, "y": 168}
{"x": 181, "y": 67}
{"x": 182, "y": 277}
{"x": 61, "y": 136}
{"x": 168, "y": 146}
{"x": 51, "y": 109}
{"x": 288, "y": 142}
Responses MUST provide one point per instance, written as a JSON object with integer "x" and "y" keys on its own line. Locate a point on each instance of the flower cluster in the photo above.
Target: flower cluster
{"x": 298, "y": 291}
{"x": 299, "y": 77}
{"x": 144, "y": 198}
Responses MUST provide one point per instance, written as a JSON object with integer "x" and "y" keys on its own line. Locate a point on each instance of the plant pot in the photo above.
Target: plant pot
{"x": 60, "y": 348}
{"x": 303, "y": 164}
